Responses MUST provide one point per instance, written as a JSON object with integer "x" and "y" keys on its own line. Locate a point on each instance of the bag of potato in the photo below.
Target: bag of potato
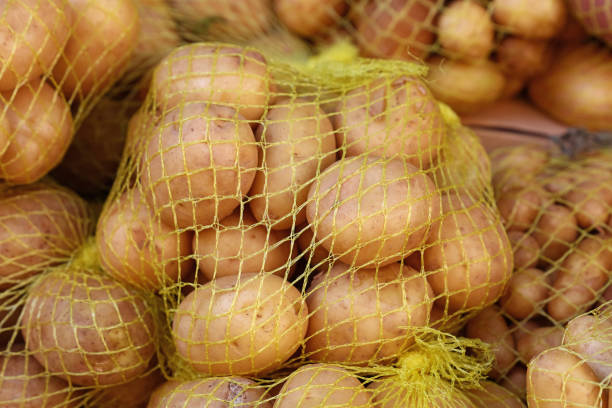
{"x": 557, "y": 210}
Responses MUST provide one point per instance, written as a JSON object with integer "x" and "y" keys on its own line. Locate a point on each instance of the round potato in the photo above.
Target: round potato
{"x": 38, "y": 131}
{"x": 309, "y": 17}
{"x": 538, "y": 20}
{"x": 591, "y": 202}
{"x": 532, "y": 343}
{"x": 468, "y": 255}
{"x": 591, "y": 337}
{"x": 369, "y": 211}
{"x": 133, "y": 394}
{"x": 522, "y": 58}
{"x": 581, "y": 277}
{"x": 525, "y": 294}
{"x": 516, "y": 381}
{"x": 198, "y": 164}
{"x": 465, "y": 86}
{"x": 88, "y": 328}
{"x": 384, "y": 118}
{"x": 41, "y": 226}
{"x": 240, "y": 325}
{"x": 363, "y": 316}
{"x": 25, "y": 384}
{"x": 216, "y": 73}
{"x": 322, "y": 385}
{"x": 298, "y": 142}
{"x": 465, "y": 30}
{"x": 519, "y": 207}
{"x": 395, "y": 29}
{"x": 493, "y": 396}
{"x": 556, "y": 229}
{"x": 525, "y": 248}
{"x": 234, "y": 392}
{"x": 101, "y": 42}
{"x": 558, "y": 378}
{"x": 242, "y": 245}
{"x": 137, "y": 249}
{"x": 490, "y": 327}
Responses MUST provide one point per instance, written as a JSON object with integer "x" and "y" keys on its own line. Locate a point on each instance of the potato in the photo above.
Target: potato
{"x": 33, "y": 33}
{"x": 391, "y": 393}
{"x": 370, "y": 211}
{"x": 225, "y": 392}
{"x": 581, "y": 277}
{"x": 591, "y": 202}
{"x": 389, "y": 119}
{"x": 468, "y": 255}
{"x": 505, "y": 162}
{"x": 216, "y": 73}
{"x": 11, "y": 307}
{"x": 311, "y": 250}
{"x": 465, "y": 86}
{"x": 538, "y": 20}
{"x": 38, "y": 129}
{"x": 525, "y": 248}
{"x": 134, "y": 394}
{"x": 136, "y": 248}
{"x": 241, "y": 245}
{"x": 322, "y": 385}
{"x": 88, "y": 328}
{"x": 555, "y": 231}
{"x": 362, "y": 316}
{"x": 522, "y": 58}
{"x": 42, "y": 225}
{"x": 514, "y": 87}
{"x": 519, "y": 207}
{"x": 102, "y": 38}
{"x": 395, "y": 29}
{"x": 490, "y": 327}
{"x": 538, "y": 340}
{"x": 25, "y": 384}
{"x": 309, "y": 17}
{"x": 198, "y": 164}
{"x": 298, "y": 142}
{"x": 516, "y": 381}
{"x": 525, "y": 294}
{"x": 493, "y": 396}
{"x": 557, "y": 378}
{"x": 591, "y": 336}
{"x": 161, "y": 392}
{"x": 240, "y": 325}
{"x": 465, "y": 30}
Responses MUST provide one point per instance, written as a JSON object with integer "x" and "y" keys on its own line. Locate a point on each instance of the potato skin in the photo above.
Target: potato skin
{"x": 469, "y": 256}
{"x": 361, "y": 316}
{"x": 102, "y": 39}
{"x": 298, "y": 142}
{"x": 34, "y": 32}
{"x": 465, "y": 30}
{"x": 389, "y": 119}
{"x": 526, "y": 293}
{"x": 136, "y": 248}
{"x": 219, "y": 314}
{"x": 558, "y": 378}
{"x": 198, "y": 164}
{"x": 42, "y": 225}
{"x": 537, "y": 340}
{"x": 540, "y": 20}
{"x": 318, "y": 385}
{"x": 345, "y": 207}
{"x": 87, "y": 328}
{"x": 519, "y": 207}
{"x": 134, "y": 394}
{"x": 309, "y": 17}
{"x": 591, "y": 336}
{"x": 242, "y": 245}
{"x": 493, "y": 396}
{"x": 220, "y": 74}
{"x": 39, "y": 128}
{"x": 525, "y": 248}
{"x": 523, "y": 58}
{"x": 555, "y": 230}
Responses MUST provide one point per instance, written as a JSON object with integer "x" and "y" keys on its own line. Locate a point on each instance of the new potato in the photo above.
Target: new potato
{"x": 591, "y": 337}
{"x": 525, "y": 248}
{"x": 535, "y": 341}
{"x": 556, "y": 228}
{"x": 309, "y": 17}
{"x": 526, "y": 293}
{"x": 465, "y": 30}
{"x": 542, "y": 19}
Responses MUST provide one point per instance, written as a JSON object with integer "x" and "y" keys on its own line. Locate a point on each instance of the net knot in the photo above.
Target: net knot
{"x": 339, "y": 52}
{"x": 87, "y": 256}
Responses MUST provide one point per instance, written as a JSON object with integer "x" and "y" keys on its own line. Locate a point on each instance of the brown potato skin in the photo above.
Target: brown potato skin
{"x": 161, "y": 392}
{"x": 591, "y": 201}
{"x": 490, "y": 327}
{"x": 493, "y": 396}
{"x": 541, "y": 20}
{"x": 387, "y": 118}
{"x": 102, "y": 39}
{"x": 590, "y": 336}
{"x": 298, "y": 142}
{"x": 555, "y": 230}
{"x": 220, "y": 74}
{"x": 136, "y": 248}
{"x": 361, "y": 316}
{"x": 516, "y": 381}
{"x": 88, "y": 329}
{"x": 319, "y": 385}
{"x": 526, "y": 293}
{"x": 522, "y": 58}
{"x": 362, "y": 234}
{"x": 39, "y": 132}
{"x": 134, "y": 394}
{"x": 469, "y": 257}
{"x": 581, "y": 277}
{"x": 519, "y": 207}
{"x": 34, "y": 32}
{"x": 309, "y": 17}
{"x": 558, "y": 378}
{"x": 465, "y": 30}
{"x": 525, "y": 248}
{"x": 242, "y": 245}
{"x": 214, "y": 330}
{"x": 198, "y": 153}
{"x": 532, "y": 343}
{"x": 42, "y": 225}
